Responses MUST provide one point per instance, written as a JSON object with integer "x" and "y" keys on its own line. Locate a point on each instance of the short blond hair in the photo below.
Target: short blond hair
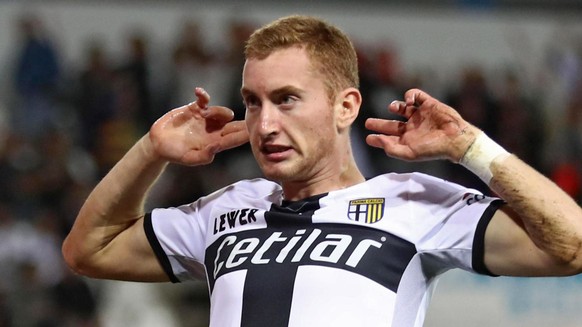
{"x": 330, "y": 50}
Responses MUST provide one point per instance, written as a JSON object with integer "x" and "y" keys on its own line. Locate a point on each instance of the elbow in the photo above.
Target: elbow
{"x": 75, "y": 259}
{"x": 575, "y": 260}
{"x": 570, "y": 258}
{"x": 71, "y": 257}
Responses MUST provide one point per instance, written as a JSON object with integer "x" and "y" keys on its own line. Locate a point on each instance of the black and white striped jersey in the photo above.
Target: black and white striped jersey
{"x": 367, "y": 255}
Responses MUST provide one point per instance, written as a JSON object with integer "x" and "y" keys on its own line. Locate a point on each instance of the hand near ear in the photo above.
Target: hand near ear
{"x": 194, "y": 133}
{"x": 432, "y": 130}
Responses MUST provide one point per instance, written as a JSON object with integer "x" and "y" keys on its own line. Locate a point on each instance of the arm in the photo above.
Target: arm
{"x": 107, "y": 239}
{"x": 538, "y": 232}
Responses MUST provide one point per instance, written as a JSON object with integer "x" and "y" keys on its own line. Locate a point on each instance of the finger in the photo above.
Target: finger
{"x": 416, "y": 97}
{"x": 396, "y": 106}
{"x": 203, "y": 98}
{"x": 234, "y": 127}
{"x": 234, "y": 139}
{"x": 389, "y": 127}
{"x": 402, "y": 109}
{"x": 196, "y": 157}
{"x": 390, "y": 145}
{"x": 218, "y": 113}
{"x": 375, "y": 140}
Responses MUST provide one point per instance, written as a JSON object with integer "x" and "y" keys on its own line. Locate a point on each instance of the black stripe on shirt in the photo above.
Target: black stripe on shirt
{"x": 479, "y": 239}
{"x": 157, "y": 247}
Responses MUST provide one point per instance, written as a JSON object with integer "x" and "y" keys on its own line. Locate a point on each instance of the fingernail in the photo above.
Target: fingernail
{"x": 199, "y": 89}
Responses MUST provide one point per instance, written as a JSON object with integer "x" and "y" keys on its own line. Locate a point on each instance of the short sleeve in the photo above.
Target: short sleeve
{"x": 478, "y": 260}
{"x": 177, "y": 237}
{"x": 454, "y": 220}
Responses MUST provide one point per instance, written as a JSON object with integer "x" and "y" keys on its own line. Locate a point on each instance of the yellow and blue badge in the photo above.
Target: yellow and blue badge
{"x": 369, "y": 210}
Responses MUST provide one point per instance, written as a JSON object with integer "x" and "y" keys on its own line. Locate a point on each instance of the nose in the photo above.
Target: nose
{"x": 268, "y": 120}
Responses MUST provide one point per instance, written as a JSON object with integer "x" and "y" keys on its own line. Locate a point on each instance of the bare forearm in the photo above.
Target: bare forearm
{"x": 115, "y": 204}
{"x": 551, "y": 217}
{"x": 122, "y": 192}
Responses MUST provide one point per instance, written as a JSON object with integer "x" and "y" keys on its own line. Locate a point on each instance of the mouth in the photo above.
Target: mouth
{"x": 276, "y": 152}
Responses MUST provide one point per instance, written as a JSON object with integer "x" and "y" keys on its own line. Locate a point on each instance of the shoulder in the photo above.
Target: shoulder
{"x": 257, "y": 192}
{"x": 421, "y": 189}
{"x": 414, "y": 182}
{"x": 258, "y": 188}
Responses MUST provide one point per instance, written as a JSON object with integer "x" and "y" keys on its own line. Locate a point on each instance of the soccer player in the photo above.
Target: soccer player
{"x": 314, "y": 243}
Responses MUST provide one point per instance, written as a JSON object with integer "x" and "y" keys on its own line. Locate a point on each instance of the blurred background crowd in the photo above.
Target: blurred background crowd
{"x": 64, "y": 125}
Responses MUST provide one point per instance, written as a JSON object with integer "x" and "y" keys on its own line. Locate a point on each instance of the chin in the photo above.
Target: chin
{"x": 279, "y": 174}
{"x": 276, "y": 175}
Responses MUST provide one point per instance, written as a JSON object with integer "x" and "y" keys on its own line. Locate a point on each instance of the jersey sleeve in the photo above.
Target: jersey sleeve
{"x": 177, "y": 236}
{"x": 454, "y": 220}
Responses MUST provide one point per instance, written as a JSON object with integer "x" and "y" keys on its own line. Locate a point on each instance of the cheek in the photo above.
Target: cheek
{"x": 322, "y": 126}
{"x": 319, "y": 137}
{"x": 254, "y": 138}
{"x": 251, "y": 126}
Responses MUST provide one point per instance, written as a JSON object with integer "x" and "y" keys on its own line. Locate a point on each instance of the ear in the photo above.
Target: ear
{"x": 347, "y": 107}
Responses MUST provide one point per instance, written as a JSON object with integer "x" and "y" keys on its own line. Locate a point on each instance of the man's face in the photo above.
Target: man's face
{"x": 289, "y": 117}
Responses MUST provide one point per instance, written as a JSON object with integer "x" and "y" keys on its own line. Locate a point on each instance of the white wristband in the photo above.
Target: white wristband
{"x": 480, "y": 155}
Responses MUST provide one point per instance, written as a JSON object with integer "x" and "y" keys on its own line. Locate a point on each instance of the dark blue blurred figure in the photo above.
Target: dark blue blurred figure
{"x": 133, "y": 83}
{"x": 95, "y": 98}
{"x": 36, "y": 79}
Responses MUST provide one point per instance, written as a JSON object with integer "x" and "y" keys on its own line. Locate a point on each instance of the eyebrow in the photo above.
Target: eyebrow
{"x": 276, "y": 92}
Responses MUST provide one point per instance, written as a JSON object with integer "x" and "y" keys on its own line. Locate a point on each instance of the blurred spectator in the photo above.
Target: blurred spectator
{"x": 520, "y": 127}
{"x": 6, "y": 169}
{"x": 110, "y": 104}
{"x": 5, "y": 312}
{"x": 387, "y": 80}
{"x": 191, "y": 66}
{"x": 567, "y": 174}
{"x": 567, "y": 168}
{"x": 362, "y": 152}
{"x": 386, "y": 76}
{"x": 95, "y": 95}
{"x": 474, "y": 101}
{"x": 74, "y": 303}
{"x": 31, "y": 266}
{"x": 114, "y": 138}
{"x": 136, "y": 304}
{"x": 36, "y": 79}
{"x": 238, "y": 33}
{"x": 132, "y": 80}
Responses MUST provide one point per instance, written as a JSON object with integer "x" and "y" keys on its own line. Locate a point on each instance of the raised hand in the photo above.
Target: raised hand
{"x": 432, "y": 130}
{"x": 194, "y": 133}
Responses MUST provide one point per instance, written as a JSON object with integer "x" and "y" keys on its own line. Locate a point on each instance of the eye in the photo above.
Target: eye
{"x": 251, "y": 102}
{"x": 287, "y": 101}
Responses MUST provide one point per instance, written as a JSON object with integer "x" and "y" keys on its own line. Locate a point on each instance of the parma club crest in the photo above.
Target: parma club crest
{"x": 368, "y": 210}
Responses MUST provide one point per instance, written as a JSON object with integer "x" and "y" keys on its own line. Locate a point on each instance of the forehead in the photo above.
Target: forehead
{"x": 291, "y": 66}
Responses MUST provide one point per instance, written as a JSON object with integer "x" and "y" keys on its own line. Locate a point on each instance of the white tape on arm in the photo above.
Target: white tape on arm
{"x": 480, "y": 155}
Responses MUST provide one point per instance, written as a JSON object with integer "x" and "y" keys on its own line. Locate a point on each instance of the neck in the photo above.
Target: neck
{"x": 348, "y": 175}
